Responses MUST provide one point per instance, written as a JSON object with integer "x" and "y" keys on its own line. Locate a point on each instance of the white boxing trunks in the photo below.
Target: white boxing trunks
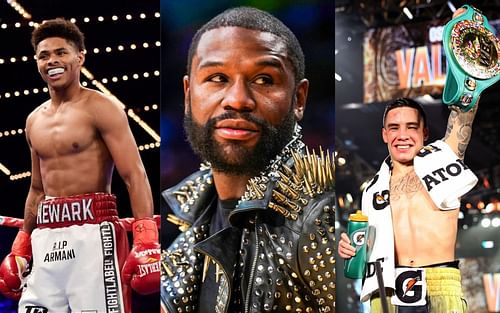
{"x": 79, "y": 247}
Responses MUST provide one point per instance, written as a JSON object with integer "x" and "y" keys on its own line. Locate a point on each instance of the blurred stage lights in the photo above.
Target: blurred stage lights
{"x": 86, "y": 19}
{"x": 152, "y": 145}
{"x": 487, "y": 244}
{"x": 341, "y": 161}
{"x": 96, "y": 50}
{"x": 490, "y": 222}
{"x": 20, "y": 176}
{"x": 486, "y": 222}
{"x": 125, "y": 77}
{"x": 19, "y": 8}
{"x": 129, "y": 17}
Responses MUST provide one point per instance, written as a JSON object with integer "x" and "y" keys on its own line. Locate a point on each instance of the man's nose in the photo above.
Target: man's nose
{"x": 239, "y": 97}
{"x": 403, "y": 134}
{"x": 53, "y": 59}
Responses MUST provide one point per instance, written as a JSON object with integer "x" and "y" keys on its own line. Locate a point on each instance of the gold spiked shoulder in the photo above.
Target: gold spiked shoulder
{"x": 310, "y": 174}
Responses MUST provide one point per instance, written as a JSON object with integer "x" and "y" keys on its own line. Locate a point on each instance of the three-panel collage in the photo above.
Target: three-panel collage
{"x": 250, "y": 156}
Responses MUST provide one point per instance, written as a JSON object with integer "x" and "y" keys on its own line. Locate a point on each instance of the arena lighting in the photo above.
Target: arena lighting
{"x": 495, "y": 222}
{"x": 152, "y": 145}
{"x": 451, "y": 6}
{"x": 89, "y": 75}
{"x": 145, "y": 126}
{"x": 96, "y": 50}
{"x": 338, "y": 77}
{"x": 4, "y": 169}
{"x": 486, "y": 222}
{"x": 19, "y": 8}
{"x": 11, "y": 132}
{"x": 407, "y": 13}
{"x": 490, "y": 207}
{"x": 124, "y": 77}
{"x": 487, "y": 244}
{"x": 480, "y": 205}
{"x": 341, "y": 161}
{"x": 20, "y": 175}
{"x": 87, "y": 19}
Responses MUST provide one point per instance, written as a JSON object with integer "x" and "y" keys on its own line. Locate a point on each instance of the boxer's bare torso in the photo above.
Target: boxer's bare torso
{"x": 423, "y": 234}
{"x": 78, "y": 136}
{"x": 73, "y": 158}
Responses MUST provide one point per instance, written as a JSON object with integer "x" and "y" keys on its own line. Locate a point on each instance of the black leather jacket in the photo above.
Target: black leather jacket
{"x": 282, "y": 240}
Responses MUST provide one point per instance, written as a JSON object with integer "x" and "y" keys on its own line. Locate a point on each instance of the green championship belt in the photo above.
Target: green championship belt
{"x": 473, "y": 55}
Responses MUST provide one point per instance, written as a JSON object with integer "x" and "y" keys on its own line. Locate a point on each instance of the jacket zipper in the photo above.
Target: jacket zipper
{"x": 252, "y": 270}
{"x": 225, "y": 277}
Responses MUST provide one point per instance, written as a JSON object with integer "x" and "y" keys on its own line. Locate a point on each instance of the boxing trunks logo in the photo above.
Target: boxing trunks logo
{"x": 36, "y": 309}
{"x": 411, "y": 288}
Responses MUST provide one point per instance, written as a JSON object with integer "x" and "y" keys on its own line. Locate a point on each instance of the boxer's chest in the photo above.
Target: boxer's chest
{"x": 67, "y": 131}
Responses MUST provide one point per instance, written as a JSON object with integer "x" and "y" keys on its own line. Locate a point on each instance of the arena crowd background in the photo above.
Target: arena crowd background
{"x": 123, "y": 58}
{"x": 370, "y": 37}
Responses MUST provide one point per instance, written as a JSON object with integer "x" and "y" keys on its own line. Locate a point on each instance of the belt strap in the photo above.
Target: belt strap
{"x": 91, "y": 208}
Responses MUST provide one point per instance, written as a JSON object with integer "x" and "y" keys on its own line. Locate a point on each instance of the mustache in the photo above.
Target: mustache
{"x": 234, "y": 115}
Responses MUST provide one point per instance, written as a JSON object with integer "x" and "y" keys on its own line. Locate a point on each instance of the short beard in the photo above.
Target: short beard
{"x": 233, "y": 158}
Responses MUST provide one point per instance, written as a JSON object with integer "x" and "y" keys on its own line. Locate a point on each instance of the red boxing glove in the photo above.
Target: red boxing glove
{"x": 15, "y": 266}
{"x": 142, "y": 267}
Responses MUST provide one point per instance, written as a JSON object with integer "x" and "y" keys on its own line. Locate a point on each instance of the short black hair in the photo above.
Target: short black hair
{"x": 254, "y": 19}
{"x": 405, "y": 102}
{"x": 58, "y": 27}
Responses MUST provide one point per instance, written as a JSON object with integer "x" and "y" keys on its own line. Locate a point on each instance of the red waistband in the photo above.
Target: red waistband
{"x": 91, "y": 208}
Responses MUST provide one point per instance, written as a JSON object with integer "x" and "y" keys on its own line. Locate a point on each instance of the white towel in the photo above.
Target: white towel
{"x": 445, "y": 177}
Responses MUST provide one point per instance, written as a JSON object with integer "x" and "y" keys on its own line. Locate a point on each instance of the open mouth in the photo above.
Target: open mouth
{"x": 403, "y": 147}
{"x": 55, "y": 71}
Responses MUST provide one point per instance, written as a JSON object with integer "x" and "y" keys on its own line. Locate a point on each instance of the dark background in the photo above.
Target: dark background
{"x": 312, "y": 23}
{"x": 136, "y": 94}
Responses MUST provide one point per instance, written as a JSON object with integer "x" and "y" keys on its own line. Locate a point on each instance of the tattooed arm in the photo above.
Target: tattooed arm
{"x": 459, "y": 129}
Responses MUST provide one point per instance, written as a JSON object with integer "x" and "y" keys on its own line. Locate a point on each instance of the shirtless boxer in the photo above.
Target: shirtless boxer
{"x": 79, "y": 248}
{"x": 424, "y": 234}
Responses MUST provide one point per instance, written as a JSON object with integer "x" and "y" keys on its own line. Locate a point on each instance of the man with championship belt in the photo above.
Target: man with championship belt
{"x": 413, "y": 203}
{"x": 257, "y": 220}
{"x": 71, "y": 235}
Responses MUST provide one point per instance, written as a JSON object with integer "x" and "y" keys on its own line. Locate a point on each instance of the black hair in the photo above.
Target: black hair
{"x": 254, "y": 19}
{"x": 58, "y": 27}
{"x": 405, "y": 102}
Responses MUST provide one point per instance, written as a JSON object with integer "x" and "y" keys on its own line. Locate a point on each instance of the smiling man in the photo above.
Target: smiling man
{"x": 412, "y": 206}
{"x": 71, "y": 231}
{"x": 257, "y": 220}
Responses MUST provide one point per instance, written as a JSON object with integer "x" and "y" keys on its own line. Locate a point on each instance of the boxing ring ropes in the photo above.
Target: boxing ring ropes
{"x": 7, "y": 221}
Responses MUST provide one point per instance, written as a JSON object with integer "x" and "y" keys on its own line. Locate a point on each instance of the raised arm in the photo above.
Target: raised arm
{"x": 112, "y": 123}
{"x": 459, "y": 129}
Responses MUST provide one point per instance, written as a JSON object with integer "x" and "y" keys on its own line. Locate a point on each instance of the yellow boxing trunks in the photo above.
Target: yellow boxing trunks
{"x": 443, "y": 292}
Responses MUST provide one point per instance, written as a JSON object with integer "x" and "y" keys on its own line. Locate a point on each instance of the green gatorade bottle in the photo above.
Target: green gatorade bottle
{"x": 357, "y": 229}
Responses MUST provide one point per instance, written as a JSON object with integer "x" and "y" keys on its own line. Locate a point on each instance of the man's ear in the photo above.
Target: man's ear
{"x": 185, "y": 81}
{"x": 81, "y": 58}
{"x": 384, "y": 135}
{"x": 301, "y": 98}
{"x": 426, "y": 134}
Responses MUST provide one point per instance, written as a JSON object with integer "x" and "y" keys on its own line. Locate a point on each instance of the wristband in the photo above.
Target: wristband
{"x": 473, "y": 58}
